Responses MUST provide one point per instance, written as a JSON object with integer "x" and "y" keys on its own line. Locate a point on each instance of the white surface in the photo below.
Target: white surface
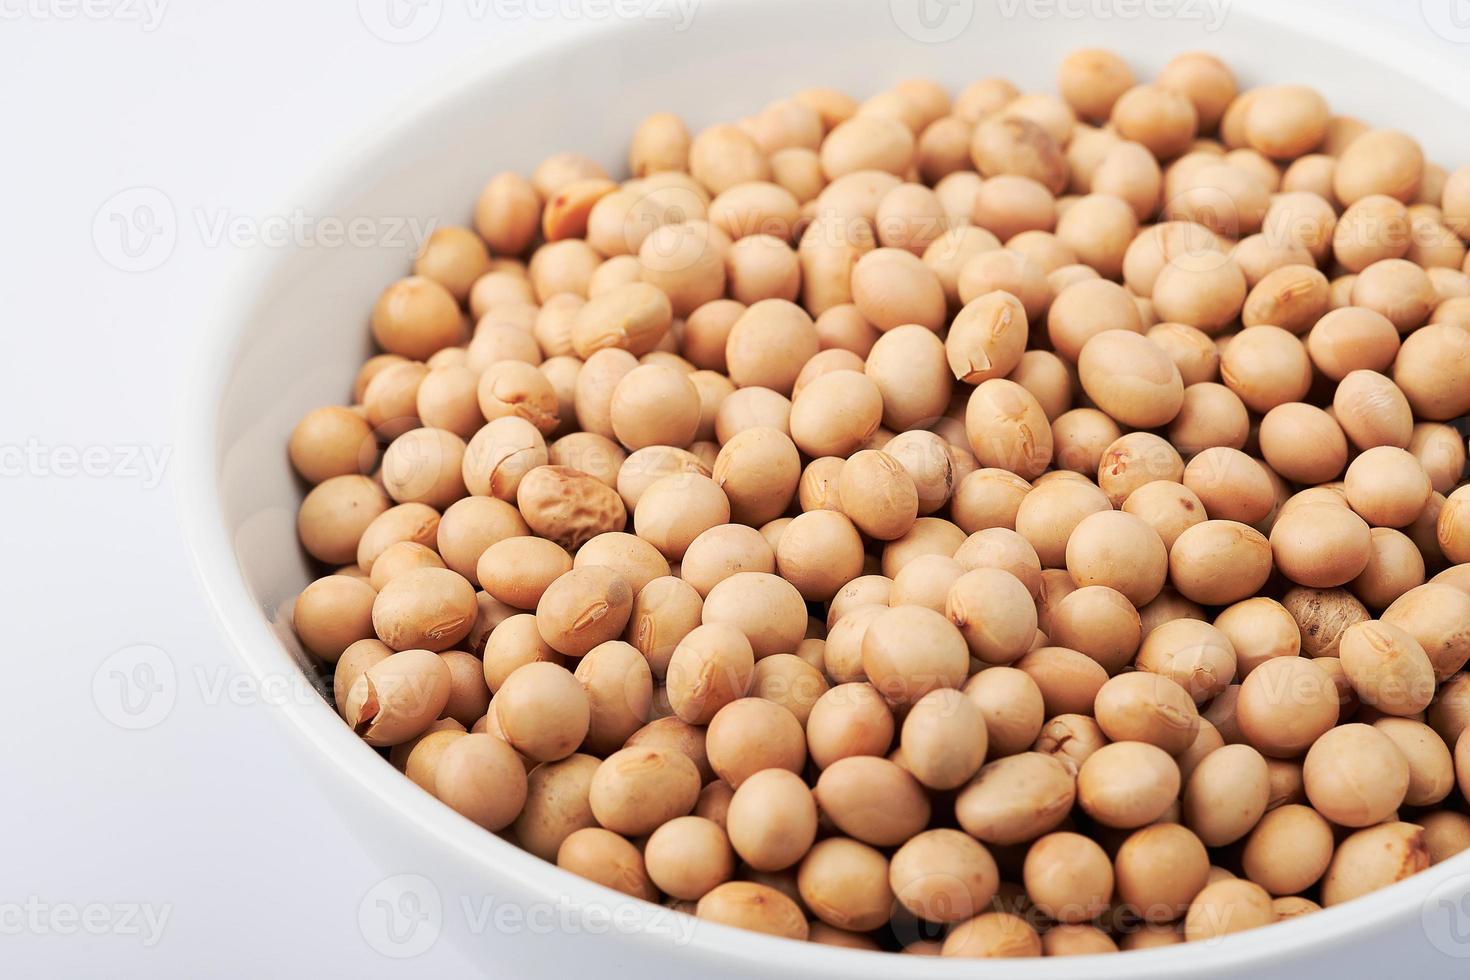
{"x": 207, "y": 818}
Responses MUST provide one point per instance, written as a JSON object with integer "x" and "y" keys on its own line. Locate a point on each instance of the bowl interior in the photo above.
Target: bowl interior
{"x": 296, "y": 331}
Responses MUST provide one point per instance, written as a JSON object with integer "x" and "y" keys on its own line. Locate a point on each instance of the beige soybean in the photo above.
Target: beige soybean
{"x": 873, "y": 800}
{"x": 1260, "y": 629}
{"x": 1285, "y": 705}
{"x": 1210, "y": 416}
{"x": 994, "y": 613}
{"x": 1068, "y": 877}
{"x": 993, "y": 935}
{"x": 335, "y": 515}
{"x": 909, "y": 367}
{"x": 790, "y": 681}
{"x": 663, "y": 613}
{"x": 1387, "y": 486}
{"x": 398, "y": 697}
{"x": 1068, "y": 680}
{"x": 513, "y": 642}
{"x": 844, "y": 883}
{"x": 1435, "y": 614}
{"x": 542, "y": 711}
{"x": 1071, "y": 738}
{"x": 1127, "y": 784}
{"x": 1374, "y": 858}
{"x": 1007, "y": 428}
{"x": 750, "y": 905}
{"x": 911, "y": 650}
{"x": 583, "y": 608}
{"x": 608, "y": 859}
{"x": 1303, "y": 443}
{"x": 765, "y": 608}
{"x": 1226, "y": 794}
{"x": 634, "y": 559}
{"x": 1012, "y": 706}
{"x": 655, "y": 405}
{"x": 1218, "y": 562}
{"x": 752, "y": 734}
{"x": 556, "y": 804}
{"x": 674, "y": 510}
{"x": 1119, "y": 550}
{"x": 850, "y": 719}
{"x": 672, "y": 733}
{"x": 1355, "y": 775}
{"x": 333, "y": 613}
{"x": 1444, "y": 834}
{"x": 1195, "y": 655}
{"x": 722, "y": 551}
{"x": 1146, "y": 707}
{"x": 519, "y": 570}
{"x": 619, "y": 687}
{"x": 819, "y": 552}
{"x": 943, "y": 875}
{"x": 944, "y": 739}
{"x": 772, "y": 820}
{"x": 1131, "y": 378}
{"x": 836, "y": 414}
{"x": 1135, "y": 459}
{"x": 878, "y": 495}
{"x": 1387, "y": 668}
{"x": 1231, "y": 485}
{"x": 1080, "y": 437}
{"x": 1085, "y": 309}
{"x": 482, "y": 778}
{"x": 1016, "y": 799}
{"x": 1321, "y": 545}
{"x": 986, "y": 338}
{"x": 1159, "y": 870}
{"x": 758, "y": 470}
{"x": 636, "y": 790}
{"x": 1431, "y": 766}
{"x": 1098, "y": 621}
{"x": 709, "y": 668}
{"x": 425, "y": 608}
{"x": 688, "y": 856}
{"x": 1225, "y": 907}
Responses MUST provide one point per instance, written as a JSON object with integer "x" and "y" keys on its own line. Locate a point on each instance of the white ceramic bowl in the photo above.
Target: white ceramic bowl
{"x": 293, "y": 334}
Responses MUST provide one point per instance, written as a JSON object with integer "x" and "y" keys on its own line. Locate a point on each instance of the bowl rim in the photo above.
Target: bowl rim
{"x": 247, "y": 631}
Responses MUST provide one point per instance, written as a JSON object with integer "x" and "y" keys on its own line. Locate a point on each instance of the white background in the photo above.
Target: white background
{"x": 205, "y": 817}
